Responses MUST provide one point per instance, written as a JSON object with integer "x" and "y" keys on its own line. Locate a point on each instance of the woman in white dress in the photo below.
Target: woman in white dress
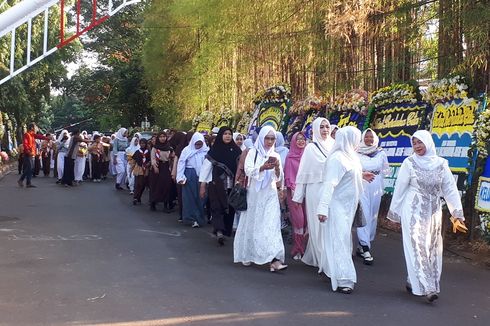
{"x": 81, "y": 160}
{"x": 258, "y": 237}
{"x": 119, "y": 156}
{"x": 422, "y": 180}
{"x": 133, "y": 147}
{"x": 63, "y": 145}
{"x": 311, "y": 174}
{"x": 373, "y": 159}
{"x": 337, "y": 207}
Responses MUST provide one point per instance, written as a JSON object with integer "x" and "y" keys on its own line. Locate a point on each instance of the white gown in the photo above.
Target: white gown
{"x": 258, "y": 237}
{"x": 310, "y": 191}
{"x": 416, "y": 203}
{"x": 339, "y": 199}
{"x": 371, "y": 196}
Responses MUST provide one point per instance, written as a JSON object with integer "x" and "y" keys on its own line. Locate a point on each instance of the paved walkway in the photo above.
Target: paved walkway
{"x": 86, "y": 256}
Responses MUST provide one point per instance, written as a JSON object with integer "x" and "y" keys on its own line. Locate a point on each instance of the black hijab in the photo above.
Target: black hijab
{"x": 228, "y": 154}
{"x": 162, "y": 146}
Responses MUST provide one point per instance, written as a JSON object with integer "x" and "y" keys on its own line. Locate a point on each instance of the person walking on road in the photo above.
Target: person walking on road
{"x": 336, "y": 209}
{"x": 29, "y": 151}
{"x": 424, "y": 178}
{"x": 187, "y": 176}
{"x": 373, "y": 159}
{"x": 297, "y": 213}
{"x": 218, "y": 174}
{"x": 119, "y": 156}
{"x": 258, "y": 237}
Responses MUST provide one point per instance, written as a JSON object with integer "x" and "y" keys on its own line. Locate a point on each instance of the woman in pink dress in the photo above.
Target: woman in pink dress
{"x": 297, "y": 211}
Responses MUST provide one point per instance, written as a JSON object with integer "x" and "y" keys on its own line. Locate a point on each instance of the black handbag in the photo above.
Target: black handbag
{"x": 359, "y": 218}
{"x": 237, "y": 198}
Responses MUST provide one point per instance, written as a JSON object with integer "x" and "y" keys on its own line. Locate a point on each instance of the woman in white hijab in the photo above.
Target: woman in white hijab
{"x": 119, "y": 156}
{"x": 81, "y": 160}
{"x": 239, "y": 140}
{"x": 339, "y": 199}
{"x": 373, "y": 159}
{"x": 422, "y": 180}
{"x": 188, "y": 171}
{"x": 63, "y": 145}
{"x": 258, "y": 237}
{"x": 280, "y": 148}
{"x": 133, "y": 147}
{"x": 311, "y": 174}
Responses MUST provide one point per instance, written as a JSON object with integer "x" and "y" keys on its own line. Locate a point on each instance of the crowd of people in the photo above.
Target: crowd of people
{"x": 325, "y": 187}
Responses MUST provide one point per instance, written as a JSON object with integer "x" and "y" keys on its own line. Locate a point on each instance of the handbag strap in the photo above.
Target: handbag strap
{"x": 317, "y": 146}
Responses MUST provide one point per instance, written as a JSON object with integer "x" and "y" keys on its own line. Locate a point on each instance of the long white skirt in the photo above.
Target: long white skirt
{"x": 313, "y": 250}
{"x": 370, "y": 201}
{"x": 60, "y": 164}
{"x": 130, "y": 177}
{"x": 80, "y": 163}
{"x": 121, "y": 168}
{"x": 258, "y": 237}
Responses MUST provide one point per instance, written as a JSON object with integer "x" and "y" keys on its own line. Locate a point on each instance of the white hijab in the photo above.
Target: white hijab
{"x": 325, "y": 144}
{"x": 430, "y": 160}
{"x": 62, "y": 134}
{"x": 347, "y": 141}
{"x": 264, "y": 155}
{"x": 312, "y": 165}
{"x": 280, "y": 148}
{"x": 132, "y": 147}
{"x": 195, "y": 156}
{"x": 120, "y": 134}
{"x": 369, "y": 150}
{"x": 235, "y": 136}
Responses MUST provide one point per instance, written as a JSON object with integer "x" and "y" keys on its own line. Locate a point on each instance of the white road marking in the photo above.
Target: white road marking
{"x": 76, "y": 237}
{"x": 172, "y": 234}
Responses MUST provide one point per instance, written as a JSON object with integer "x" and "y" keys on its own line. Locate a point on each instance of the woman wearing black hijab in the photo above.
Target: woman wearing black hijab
{"x": 160, "y": 178}
{"x": 218, "y": 172}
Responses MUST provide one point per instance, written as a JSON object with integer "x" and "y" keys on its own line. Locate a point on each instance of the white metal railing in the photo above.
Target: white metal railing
{"x": 24, "y": 12}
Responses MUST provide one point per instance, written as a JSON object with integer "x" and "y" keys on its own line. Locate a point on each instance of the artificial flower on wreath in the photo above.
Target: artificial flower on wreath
{"x": 393, "y": 94}
{"x": 355, "y": 100}
{"x": 446, "y": 89}
{"x": 275, "y": 94}
{"x": 485, "y": 226}
{"x": 311, "y": 103}
{"x": 482, "y": 133}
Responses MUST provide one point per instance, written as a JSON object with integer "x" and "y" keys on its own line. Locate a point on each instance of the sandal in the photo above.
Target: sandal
{"x": 345, "y": 290}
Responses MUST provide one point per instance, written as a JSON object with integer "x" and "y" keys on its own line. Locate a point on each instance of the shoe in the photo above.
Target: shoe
{"x": 297, "y": 257}
{"x": 431, "y": 297}
{"x": 195, "y": 224}
{"x": 118, "y": 187}
{"x": 221, "y": 238}
{"x": 135, "y": 202}
{"x": 131, "y": 192}
{"x": 246, "y": 263}
{"x": 277, "y": 266}
{"x": 30, "y": 186}
{"x": 365, "y": 254}
{"x": 58, "y": 181}
{"x": 20, "y": 183}
{"x": 153, "y": 207}
{"x": 344, "y": 290}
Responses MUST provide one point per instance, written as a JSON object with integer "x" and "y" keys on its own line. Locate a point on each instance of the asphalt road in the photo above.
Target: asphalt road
{"x": 86, "y": 256}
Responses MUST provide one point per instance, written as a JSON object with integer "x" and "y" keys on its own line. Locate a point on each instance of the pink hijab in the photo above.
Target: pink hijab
{"x": 292, "y": 162}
